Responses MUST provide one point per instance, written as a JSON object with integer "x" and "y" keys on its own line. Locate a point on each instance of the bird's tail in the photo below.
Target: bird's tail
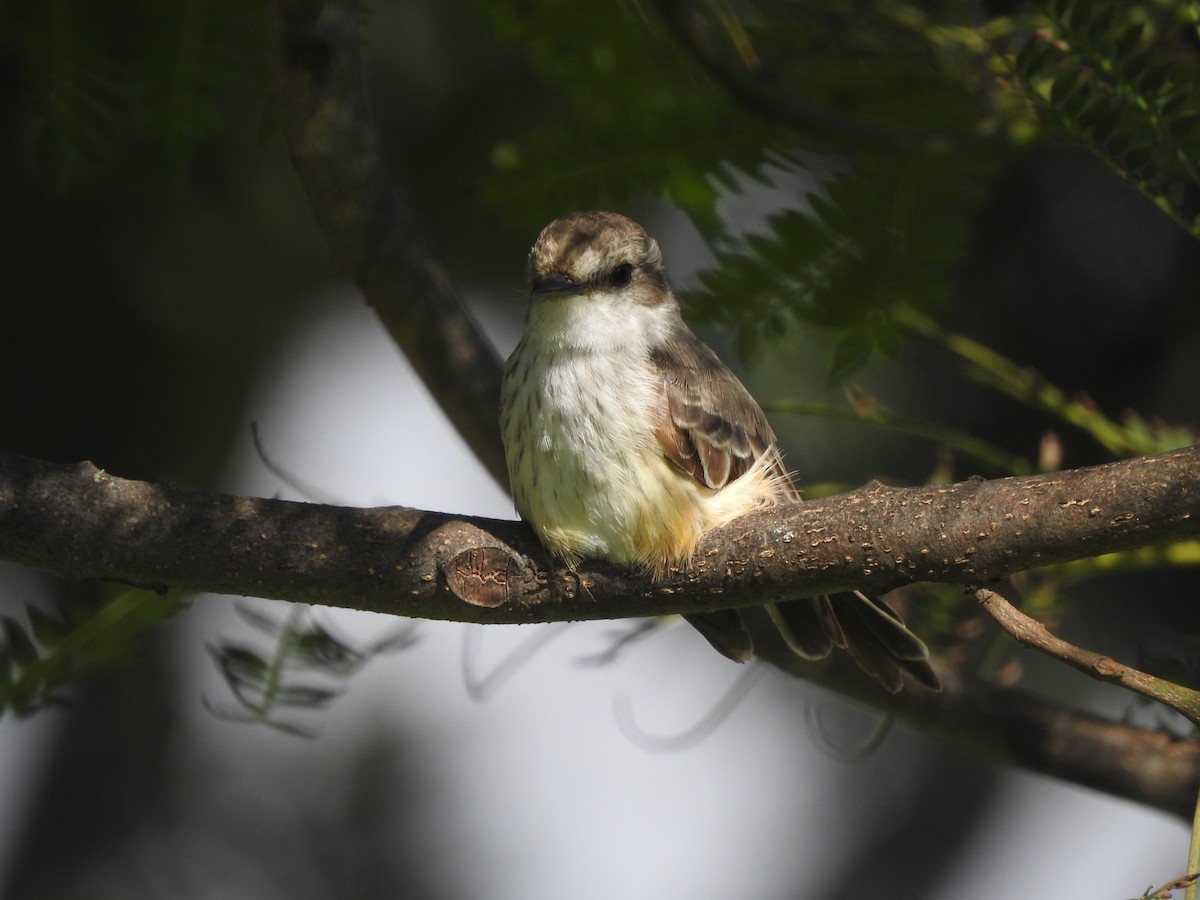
{"x": 865, "y": 627}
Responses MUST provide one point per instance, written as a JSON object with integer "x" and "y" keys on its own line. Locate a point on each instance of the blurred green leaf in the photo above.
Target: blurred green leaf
{"x": 85, "y": 635}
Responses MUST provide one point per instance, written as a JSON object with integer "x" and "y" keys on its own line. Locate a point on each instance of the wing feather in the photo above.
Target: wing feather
{"x": 708, "y": 424}
{"x": 711, "y": 428}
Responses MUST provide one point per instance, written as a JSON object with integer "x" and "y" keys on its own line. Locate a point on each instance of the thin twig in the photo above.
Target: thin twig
{"x": 1032, "y": 633}
{"x": 872, "y": 413}
{"x": 1164, "y": 892}
{"x": 993, "y": 370}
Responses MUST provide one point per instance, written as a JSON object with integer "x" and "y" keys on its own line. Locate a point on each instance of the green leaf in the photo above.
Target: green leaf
{"x": 1139, "y": 161}
{"x": 1185, "y": 129}
{"x": 1096, "y": 19}
{"x": 1031, "y": 59}
{"x": 1153, "y": 77}
{"x": 241, "y": 664}
{"x": 1094, "y": 111}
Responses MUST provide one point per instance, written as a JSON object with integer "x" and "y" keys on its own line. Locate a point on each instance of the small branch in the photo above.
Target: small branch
{"x": 1187, "y": 882}
{"x": 372, "y": 233}
{"x": 761, "y": 96}
{"x": 866, "y": 410}
{"x": 1032, "y": 633}
{"x": 1185, "y": 701}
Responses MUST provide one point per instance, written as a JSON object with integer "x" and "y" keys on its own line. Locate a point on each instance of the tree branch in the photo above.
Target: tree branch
{"x": 1013, "y": 727}
{"x": 372, "y": 234}
{"x": 81, "y": 522}
{"x": 1032, "y": 633}
{"x": 84, "y": 523}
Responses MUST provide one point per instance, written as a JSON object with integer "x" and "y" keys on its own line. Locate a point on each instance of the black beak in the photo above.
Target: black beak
{"x": 555, "y": 284}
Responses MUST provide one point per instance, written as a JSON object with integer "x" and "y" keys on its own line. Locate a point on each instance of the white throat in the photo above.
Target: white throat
{"x": 601, "y": 322}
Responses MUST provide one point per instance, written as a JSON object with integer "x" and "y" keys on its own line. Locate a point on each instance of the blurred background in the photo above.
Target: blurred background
{"x": 165, "y": 286}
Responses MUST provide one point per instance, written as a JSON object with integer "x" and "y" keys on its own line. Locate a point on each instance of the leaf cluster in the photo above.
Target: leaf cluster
{"x": 1121, "y": 80}
{"x": 917, "y": 106}
{"x": 911, "y": 67}
{"x": 623, "y": 114}
{"x": 39, "y": 657}
{"x": 885, "y": 233}
{"x": 630, "y": 112}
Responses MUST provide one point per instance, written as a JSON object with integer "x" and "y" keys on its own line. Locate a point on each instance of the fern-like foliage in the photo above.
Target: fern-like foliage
{"x": 1121, "y": 79}
{"x": 638, "y": 115}
{"x": 883, "y": 234}
{"x": 918, "y": 105}
{"x": 41, "y": 656}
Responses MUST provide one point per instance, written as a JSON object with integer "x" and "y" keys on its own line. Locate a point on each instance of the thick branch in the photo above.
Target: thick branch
{"x": 81, "y": 522}
{"x": 372, "y": 233}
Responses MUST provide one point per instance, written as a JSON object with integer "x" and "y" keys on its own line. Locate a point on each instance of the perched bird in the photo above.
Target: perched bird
{"x": 627, "y": 439}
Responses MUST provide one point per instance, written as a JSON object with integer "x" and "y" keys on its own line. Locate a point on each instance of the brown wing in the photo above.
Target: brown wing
{"x": 711, "y": 428}
{"x": 708, "y": 425}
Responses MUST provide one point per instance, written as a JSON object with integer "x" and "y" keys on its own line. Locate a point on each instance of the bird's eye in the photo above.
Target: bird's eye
{"x": 622, "y": 274}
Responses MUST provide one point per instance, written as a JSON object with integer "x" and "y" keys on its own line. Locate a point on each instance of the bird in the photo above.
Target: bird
{"x": 626, "y": 439}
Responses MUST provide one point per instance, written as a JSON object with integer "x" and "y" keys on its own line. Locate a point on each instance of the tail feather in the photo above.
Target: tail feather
{"x": 882, "y": 622}
{"x": 877, "y": 639}
{"x": 726, "y": 631}
{"x": 880, "y": 643}
{"x": 808, "y": 626}
{"x": 867, "y": 628}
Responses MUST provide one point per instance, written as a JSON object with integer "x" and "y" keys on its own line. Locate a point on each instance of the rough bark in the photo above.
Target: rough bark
{"x": 82, "y": 522}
